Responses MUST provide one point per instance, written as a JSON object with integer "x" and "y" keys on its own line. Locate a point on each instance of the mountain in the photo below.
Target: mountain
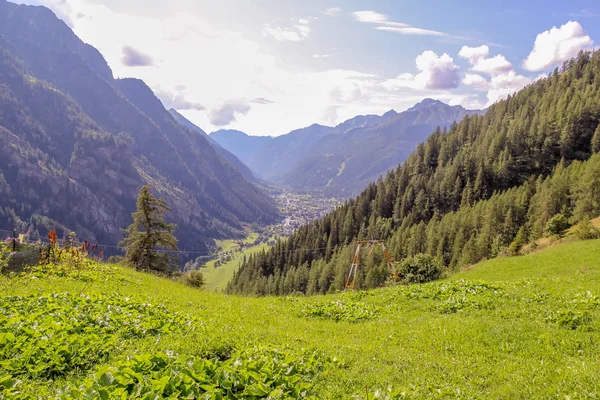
{"x": 280, "y": 154}
{"x": 488, "y": 186}
{"x": 78, "y": 145}
{"x": 239, "y": 143}
{"x": 230, "y": 157}
{"x": 344, "y": 164}
{"x": 364, "y": 121}
{"x": 342, "y": 160}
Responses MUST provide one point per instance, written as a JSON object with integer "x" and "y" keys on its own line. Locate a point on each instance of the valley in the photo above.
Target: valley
{"x": 299, "y": 209}
{"x": 228, "y": 255}
{"x": 195, "y": 198}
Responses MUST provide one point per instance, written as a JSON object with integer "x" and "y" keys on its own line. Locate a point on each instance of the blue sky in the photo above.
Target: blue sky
{"x": 267, "y": 67}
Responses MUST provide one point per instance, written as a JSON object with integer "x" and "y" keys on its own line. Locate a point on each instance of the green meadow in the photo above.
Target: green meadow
{"x": 524, "y": 327}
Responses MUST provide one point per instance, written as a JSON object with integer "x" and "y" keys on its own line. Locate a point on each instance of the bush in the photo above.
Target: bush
{"x": 4, "y": 256}
{"x": 585, "y": 230}
{"x": 194, "y": 279}
{"x": 420, "y": 268}
{"x": 556, "y": 225}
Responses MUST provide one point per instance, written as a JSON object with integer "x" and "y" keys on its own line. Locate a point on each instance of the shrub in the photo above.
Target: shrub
{"x": 194, "y": 279}
{"x": 556, "y": 225}
{"x": 420, "y": 268}
{"x": 4, "y": 256}
{"x": 585, "y": 230}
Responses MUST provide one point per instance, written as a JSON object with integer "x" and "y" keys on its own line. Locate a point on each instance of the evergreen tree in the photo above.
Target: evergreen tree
{"x": 149, "y": 234}
{"x": 596, "y": 140}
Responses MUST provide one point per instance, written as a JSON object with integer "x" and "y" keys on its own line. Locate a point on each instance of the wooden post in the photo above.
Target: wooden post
{"x": 14, "y": 240}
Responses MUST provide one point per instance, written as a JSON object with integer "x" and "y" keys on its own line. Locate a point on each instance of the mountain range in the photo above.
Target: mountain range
{"x": 77, "y": 145}
{"x": 344, "y": 159}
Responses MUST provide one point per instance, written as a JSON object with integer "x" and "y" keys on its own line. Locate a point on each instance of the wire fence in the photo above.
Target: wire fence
{"x": 33, "y": 246}
{"x": 44, "y": 241}
{"x": 20, "y": 260}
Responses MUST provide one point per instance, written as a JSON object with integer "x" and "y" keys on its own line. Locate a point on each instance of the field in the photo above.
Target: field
{"x": 512, "y": 328}
{"x": 217, "y": 278}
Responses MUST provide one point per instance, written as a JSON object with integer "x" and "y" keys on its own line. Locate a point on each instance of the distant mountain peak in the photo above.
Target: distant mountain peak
{"x": 427, "y": 103}
{"x": 229, "y": 132}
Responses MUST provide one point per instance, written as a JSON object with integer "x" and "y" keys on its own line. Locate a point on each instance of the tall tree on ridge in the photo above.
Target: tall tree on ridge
{"x": 149, "y": 234}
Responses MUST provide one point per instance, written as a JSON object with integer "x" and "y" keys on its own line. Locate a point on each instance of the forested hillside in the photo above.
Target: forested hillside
{"x": 487, "y": 185}
{"x": 78, "y": 144}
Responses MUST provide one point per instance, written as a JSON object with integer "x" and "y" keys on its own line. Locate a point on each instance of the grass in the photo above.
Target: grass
{"x": 217, "y": 278}
{"x": 226, "y": 245}
{"x": 569, "y": 260}
{"x": 513, "y": 328}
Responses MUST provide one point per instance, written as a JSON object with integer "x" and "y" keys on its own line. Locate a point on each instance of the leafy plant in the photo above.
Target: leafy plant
{"x": 248, "y": 374}
{"x": 47, "y": 336}
{"x": 339, "y": 310}
{"x": 570, "y": 318}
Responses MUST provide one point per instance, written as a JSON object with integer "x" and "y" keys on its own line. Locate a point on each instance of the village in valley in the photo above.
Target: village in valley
{"x": 227, "y": 256}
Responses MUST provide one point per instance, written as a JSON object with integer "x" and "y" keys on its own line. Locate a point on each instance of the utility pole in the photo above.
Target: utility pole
{"x": 351, "y": 280}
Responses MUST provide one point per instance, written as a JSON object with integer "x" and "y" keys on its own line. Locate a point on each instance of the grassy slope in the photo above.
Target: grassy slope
{"x": 451, "y": 339}
{"x": 567, "y": 260}
{"x": 217, "y": 278}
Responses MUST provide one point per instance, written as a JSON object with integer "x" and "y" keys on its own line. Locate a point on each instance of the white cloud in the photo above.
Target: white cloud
{"x": 503, "y": 85}
{"x": 496, "y": 65}
{"x": 242, "y": 82}
{"x": 177, "y": 100}
{"x": 320, "y": 56}
{"x": 374, "y": 17}
{"x": 437, "y": 73}
{"x": 504, "y": 80}
{"x": 226, "y": 113}
{"x": 296, "y": 33}
{"x": 333, "y": 11}
{"x": 478, "y": 58}
{"x": 476, "y": 81}
{"x": 410, "y": 31}
{"x": 330, "y": 116}
{"x": 384, "y": 24}
{"x": 473, "y": 54}
{"x": 556, "y": 45}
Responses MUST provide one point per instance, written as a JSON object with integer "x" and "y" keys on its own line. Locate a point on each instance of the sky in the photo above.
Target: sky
{"x": 269, "y": 67}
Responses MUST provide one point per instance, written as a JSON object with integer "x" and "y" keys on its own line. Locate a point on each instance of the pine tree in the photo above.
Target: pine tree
{"x": 596, "y": 140}
{"x": 149, "y": 234}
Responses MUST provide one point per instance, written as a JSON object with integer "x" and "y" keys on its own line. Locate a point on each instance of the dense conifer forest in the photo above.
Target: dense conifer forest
{"x": 486, "y": 186}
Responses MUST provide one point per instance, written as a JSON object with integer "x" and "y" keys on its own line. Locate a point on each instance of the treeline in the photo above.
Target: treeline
{"x": 466, "y": 194}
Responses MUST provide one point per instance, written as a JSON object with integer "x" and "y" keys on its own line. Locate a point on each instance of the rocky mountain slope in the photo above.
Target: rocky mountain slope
{"x": 78, "y": 144}
{"x": 227, "y": 155}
